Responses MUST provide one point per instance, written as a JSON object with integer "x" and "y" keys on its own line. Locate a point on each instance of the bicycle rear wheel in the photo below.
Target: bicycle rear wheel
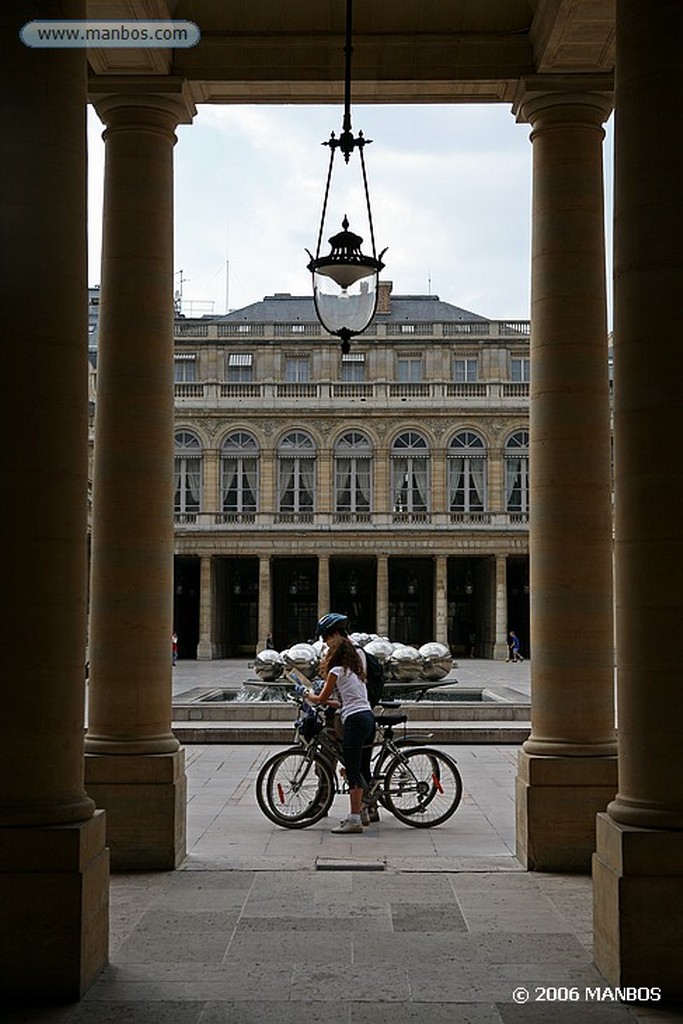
{"x": 295, "y": 789}
{"x": 422, "y": 787}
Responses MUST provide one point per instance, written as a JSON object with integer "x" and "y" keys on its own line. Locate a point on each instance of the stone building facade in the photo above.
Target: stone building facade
{"x": 390, "y": 483}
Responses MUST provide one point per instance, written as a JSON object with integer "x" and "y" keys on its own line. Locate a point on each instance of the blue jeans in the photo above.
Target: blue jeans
{"x": 359, "y": 732}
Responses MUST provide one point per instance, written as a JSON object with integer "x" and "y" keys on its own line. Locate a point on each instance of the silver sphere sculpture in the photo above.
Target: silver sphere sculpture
{"x": 436, "y": 661}
{"x": 404, "y": 664}
{"x": 380, "y": 648}
{"x": 268, "y": 665}
{"x": 303, "y": 657}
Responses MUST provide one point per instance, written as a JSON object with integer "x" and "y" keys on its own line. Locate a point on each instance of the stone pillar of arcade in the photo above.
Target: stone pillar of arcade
{"x": 134, "y": 767}
{"x": 323, "y": 585}
{"x": 638, "y": 867}
{"x": 383, "y": 595}
{"x": 441, "y": 599}
{"x": 500, "y": 647}
{"x": 265, "y": 603}
{"x": 54, "y": 867}
{"x": 205, "y": 647}
{"x": 567, "y": 770}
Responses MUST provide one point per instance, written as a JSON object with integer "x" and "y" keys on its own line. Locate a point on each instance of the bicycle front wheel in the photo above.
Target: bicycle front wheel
{"x": 422, "y": 787}
{"x": 294, "y": 789}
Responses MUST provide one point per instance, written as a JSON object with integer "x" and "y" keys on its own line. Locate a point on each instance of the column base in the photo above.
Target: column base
{"x": 204, "y": 650}
{"x": 638, "y": 907}
{"x": 145, "y": 798}
{"x": 54, "y": 925}
{"x": 557, "y": 801}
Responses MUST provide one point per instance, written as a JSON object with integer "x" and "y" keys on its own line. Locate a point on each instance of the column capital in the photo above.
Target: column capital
{"x": 539, "y": 93}
{"x": 139, "y": 99}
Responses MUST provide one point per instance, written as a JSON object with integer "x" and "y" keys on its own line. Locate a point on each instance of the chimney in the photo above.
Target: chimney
{"x": 384, "y": 296}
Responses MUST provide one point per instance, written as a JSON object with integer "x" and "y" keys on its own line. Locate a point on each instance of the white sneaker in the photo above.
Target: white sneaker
{"x": 347, "y": 826}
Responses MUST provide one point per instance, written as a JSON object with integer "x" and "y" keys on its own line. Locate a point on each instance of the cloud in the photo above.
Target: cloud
{"x": 450, "y": 188}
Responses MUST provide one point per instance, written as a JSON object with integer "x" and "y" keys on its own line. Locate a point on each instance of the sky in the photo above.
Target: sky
{"x": 450, "y": 191}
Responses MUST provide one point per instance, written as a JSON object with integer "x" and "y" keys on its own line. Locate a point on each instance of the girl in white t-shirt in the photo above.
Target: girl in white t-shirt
{"x": 343, "y": 670}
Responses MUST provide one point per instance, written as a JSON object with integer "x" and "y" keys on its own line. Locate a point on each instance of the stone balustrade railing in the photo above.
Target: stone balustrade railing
{"x": 212, "y": 521}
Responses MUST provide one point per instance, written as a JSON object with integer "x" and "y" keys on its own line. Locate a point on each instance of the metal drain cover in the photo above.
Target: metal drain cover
{"x": 350, "y": 864}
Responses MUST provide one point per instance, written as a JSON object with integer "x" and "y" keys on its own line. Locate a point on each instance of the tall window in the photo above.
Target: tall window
{"x": 352, "y": 472}
{"x": 184, "y": 368}
{"x": 409, "y": 369}
{"x": 296, "y": 473}
{"x": 240, "y": 367}
{"x": 297, "y": 369}
{"x": 239, "y": 473}
{"x": 410, "y": 485}
{"x": 520, "y": 368}
{"x": 188, "y": 472}
{"x": 517, "y": 472}
{"x": 467, "y": 473}
{"x": 353, "y": 366}
{"x": 465, "y": 370}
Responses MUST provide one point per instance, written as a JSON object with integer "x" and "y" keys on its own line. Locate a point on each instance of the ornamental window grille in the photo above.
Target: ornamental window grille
{"x": 239, "y": 473}
{"x": 353, "y": 472}
{"x": 188, "y": 472}
{"x": 410, "y": 473}
{"x": 467, "y": 482}
{"x": 296, "y": 457}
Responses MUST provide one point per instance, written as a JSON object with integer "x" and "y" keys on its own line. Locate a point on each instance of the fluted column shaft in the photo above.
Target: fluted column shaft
{"x": 648, "y": 427}
{"x": 54, "y": 865}
{"x": 132, "y": 550}
{"x": 44, "y": 425}
{"x": 570, "y": 500}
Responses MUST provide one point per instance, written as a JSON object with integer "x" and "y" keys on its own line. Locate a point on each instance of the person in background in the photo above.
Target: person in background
{"x": 513, "y": 647}
{"x": 174, "y": 648}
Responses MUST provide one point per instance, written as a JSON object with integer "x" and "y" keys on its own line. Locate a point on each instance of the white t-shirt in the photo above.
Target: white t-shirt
{"x": 352, "y": 690}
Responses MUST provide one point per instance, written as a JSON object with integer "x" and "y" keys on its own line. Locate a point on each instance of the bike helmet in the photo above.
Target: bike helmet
{"x": 333, "y": 622}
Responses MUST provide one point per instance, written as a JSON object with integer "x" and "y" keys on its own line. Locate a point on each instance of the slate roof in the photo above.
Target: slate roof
{"x": 284, "y": 308}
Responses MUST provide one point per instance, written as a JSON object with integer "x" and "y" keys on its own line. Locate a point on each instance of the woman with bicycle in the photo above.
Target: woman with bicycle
{"x": 344, "y": 672}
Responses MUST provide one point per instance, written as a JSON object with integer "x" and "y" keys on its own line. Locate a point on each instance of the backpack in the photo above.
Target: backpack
{"x": 375, "y": 678}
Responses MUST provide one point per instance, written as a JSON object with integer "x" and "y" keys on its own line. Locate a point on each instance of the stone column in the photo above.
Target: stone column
{"x": 383, "y": 595}
{"x": 54, "y": 868}
{"x": 638, "y": 868}
{"x": 567, "y": 771}
{"x": 211, "y": 501}
{"x": 135, "y": 769}
{"x": 206, "y": 609}
{"x": 501, "y": 609}
{"x": 441, "y": 599}
{"x": 265, "y": 626}
{"x": 323, "y": 585}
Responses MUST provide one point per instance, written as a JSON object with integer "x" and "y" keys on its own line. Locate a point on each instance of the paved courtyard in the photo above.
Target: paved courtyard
{"x": 421, "y": 926}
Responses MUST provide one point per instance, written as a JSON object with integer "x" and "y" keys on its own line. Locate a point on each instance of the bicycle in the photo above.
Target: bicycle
{"x": 421, "y": 786}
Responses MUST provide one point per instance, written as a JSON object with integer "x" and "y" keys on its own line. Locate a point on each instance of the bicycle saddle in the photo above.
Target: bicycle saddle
{"x": 390, "y": 719}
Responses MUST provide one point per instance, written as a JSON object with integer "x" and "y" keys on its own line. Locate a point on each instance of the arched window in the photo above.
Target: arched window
{"x": 467, "y": 473}
{"x": 410, "y": 483}
{"x": 353, "y": 473}
{"x": 517, "y": 472}
{"x": 188, "y": 472}
{"x": 239, "y": 473}
{"x": 296, "y": 473}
